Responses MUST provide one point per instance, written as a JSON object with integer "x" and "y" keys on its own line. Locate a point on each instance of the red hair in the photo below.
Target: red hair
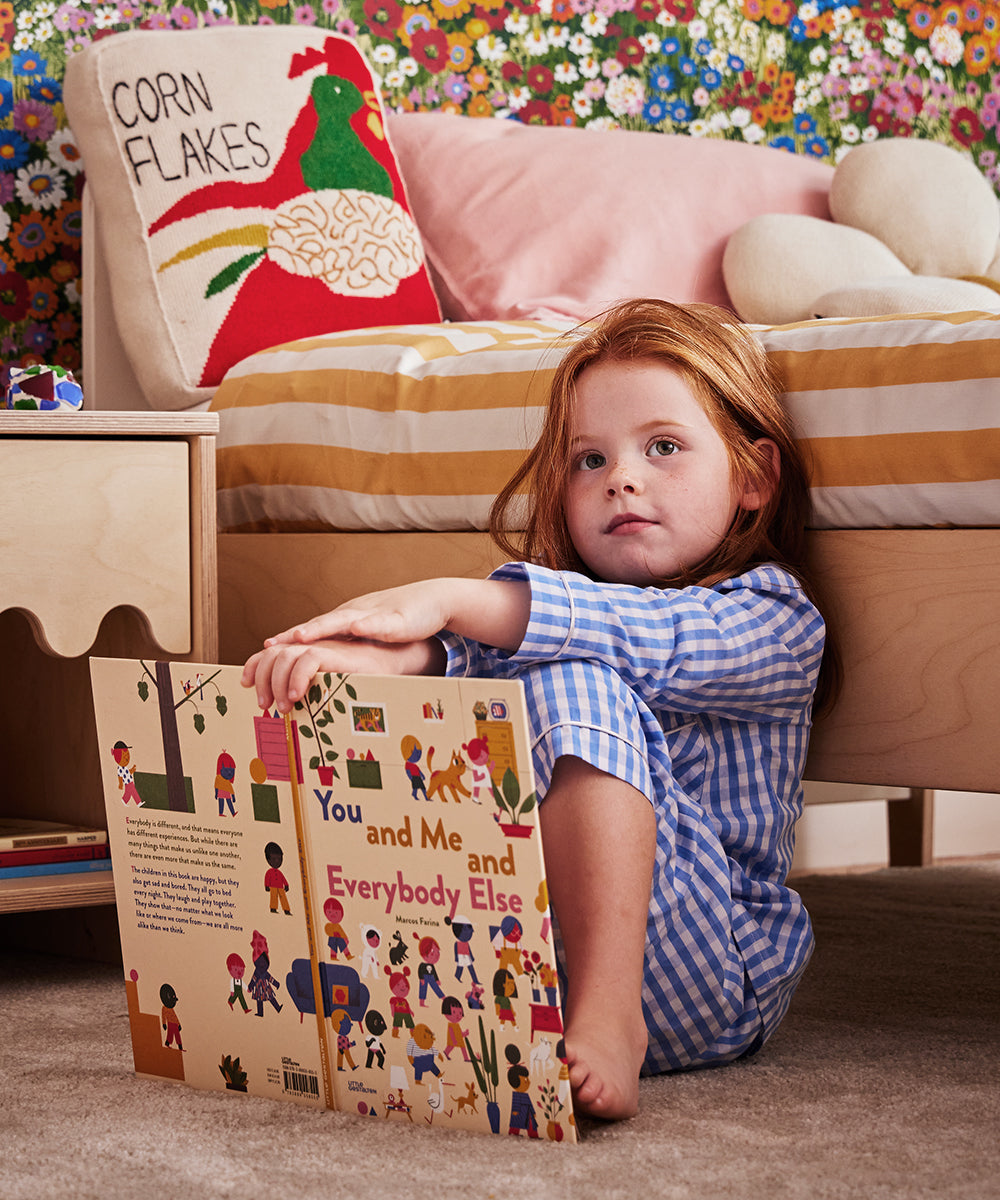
{"x": 728, "y": 372}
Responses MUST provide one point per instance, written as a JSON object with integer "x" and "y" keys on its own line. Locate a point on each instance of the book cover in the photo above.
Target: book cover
{"x": 73, "y": 867}
{"x": 17, "y": 833}
{"x": 53, "y": 854}
{"x": 344, "y": 907}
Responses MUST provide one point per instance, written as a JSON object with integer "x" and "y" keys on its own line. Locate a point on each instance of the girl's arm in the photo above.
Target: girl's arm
{"x": 494, "y": 612}
{"x": 389, "y": 632}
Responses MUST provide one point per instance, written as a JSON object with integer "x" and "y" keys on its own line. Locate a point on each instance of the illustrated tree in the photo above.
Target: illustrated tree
{"x": 194, "y": 693}
{"x": 316, "y": 705}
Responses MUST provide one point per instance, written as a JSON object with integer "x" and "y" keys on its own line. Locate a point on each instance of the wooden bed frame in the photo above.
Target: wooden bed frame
{"x": 917, "y": 611}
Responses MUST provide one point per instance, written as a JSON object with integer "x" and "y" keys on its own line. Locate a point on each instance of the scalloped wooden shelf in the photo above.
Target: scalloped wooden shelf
{"x": 107, "y": 545}
{"x": 90, "y": 533}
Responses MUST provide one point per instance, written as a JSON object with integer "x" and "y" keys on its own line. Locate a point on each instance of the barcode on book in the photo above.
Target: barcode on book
{"x": 301, "y": 1083}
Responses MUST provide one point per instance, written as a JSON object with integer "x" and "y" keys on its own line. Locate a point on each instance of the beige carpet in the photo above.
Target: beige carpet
{"x": 883, "y": 1082}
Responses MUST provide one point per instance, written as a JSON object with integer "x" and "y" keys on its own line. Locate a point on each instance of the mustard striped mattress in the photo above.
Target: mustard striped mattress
{"x": 418, "y": 427}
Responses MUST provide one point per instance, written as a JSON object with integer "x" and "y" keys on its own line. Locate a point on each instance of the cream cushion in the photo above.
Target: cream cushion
{"x": 775, "y": 266}
{"x": 925, "y": 201}
{"x": 992, "y": 271}
{"x": 910, "y": 294}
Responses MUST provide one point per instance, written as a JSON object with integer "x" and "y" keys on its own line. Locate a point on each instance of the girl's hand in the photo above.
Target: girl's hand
{"x": 282, "y": 672}
{"x": 389, "y": 633}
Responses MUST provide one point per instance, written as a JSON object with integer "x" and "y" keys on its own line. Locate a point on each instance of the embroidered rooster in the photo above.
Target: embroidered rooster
{"x": 338, "y": 239}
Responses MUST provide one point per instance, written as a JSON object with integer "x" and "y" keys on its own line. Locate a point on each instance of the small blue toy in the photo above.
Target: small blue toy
{"x": 43, "y": 388}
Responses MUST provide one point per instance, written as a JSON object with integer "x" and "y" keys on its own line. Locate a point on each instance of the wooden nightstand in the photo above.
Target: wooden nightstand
{"x": 107, "y": 547}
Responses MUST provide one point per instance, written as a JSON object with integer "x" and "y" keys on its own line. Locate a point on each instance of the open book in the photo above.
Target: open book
{"x": 343, "y": 907}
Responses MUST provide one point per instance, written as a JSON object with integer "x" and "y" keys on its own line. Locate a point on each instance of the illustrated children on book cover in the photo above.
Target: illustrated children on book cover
{"x": 378, "y": 848}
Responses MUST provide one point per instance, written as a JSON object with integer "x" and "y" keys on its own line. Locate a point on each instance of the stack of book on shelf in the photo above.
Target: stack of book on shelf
{"x": 49, "y": 848}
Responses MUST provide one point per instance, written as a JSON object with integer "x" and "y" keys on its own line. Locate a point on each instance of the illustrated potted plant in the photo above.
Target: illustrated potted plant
{"x": 508, "y": 800}
{"x": 487, "y": 1073}
{"x": 233, "y": 1074}
{"x": 316, "y": 704}
{"x": 529, "y": 962}
{"x": 551, "y": 1107}
{"x": 547, "y": 985}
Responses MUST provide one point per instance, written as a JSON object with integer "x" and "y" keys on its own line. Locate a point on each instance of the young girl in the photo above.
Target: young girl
{"x": 670, "y": 653}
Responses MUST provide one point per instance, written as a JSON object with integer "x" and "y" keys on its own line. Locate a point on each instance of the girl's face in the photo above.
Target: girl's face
{"x": 651, "y": 491}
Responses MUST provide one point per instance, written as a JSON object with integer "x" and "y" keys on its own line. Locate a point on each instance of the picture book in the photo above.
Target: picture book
{"x": 54, "y": 854}
{"x": 344, "y": 906}
{"x": 19, "y": 833}
{"x": 73, "y": 866}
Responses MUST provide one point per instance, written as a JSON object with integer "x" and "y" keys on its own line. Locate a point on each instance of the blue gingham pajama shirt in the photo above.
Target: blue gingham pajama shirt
{"x": 701, "y": 699}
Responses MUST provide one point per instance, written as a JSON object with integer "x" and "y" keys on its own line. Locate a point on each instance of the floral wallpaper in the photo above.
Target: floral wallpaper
{"x": 812, "y": 77}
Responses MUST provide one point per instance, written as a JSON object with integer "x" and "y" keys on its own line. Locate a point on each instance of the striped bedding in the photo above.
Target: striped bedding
{"x": 418, "y": 427}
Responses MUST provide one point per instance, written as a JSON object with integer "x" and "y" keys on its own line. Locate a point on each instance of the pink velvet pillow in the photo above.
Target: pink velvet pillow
{"x": 542, "y": 221}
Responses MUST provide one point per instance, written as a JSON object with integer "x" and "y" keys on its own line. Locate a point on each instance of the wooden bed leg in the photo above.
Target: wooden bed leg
{"x": 911, "y": 829}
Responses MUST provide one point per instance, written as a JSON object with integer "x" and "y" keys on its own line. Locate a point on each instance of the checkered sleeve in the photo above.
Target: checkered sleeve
{"x": 748, "y": 647}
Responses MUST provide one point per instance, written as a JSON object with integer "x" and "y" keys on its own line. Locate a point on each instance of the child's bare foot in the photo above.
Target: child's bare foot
{"x": 604, "y": 1064}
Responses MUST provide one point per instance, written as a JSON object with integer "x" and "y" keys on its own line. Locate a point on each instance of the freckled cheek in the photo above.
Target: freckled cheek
{"x": 584, "y": 524}
{"x": 580, "y": 503}
{"x": 580, "y": 524}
